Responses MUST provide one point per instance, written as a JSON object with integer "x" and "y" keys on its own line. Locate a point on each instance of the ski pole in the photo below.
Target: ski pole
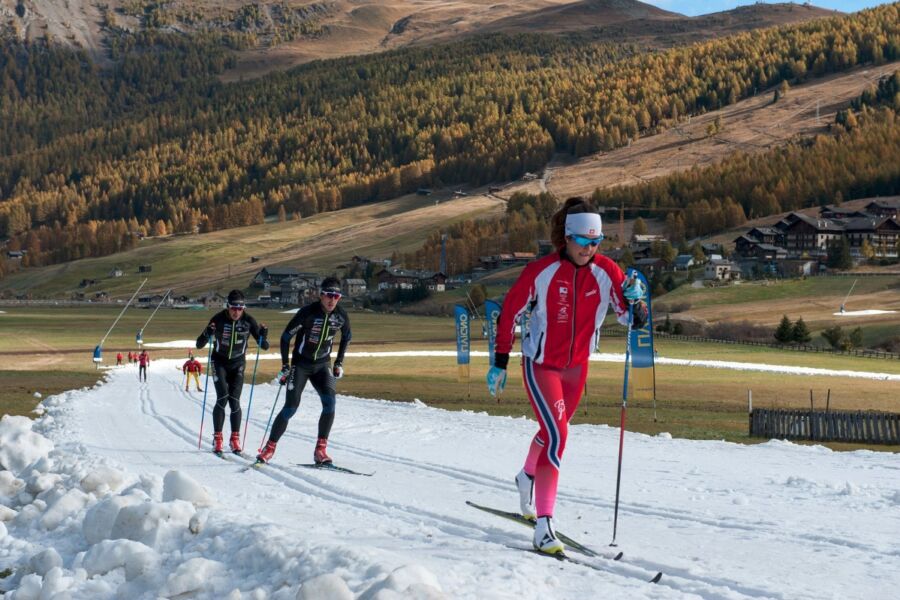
{"x": 205, "y": 391}
{"x": 622, "y": 420}
{"x": 269, "y": 422}
{"x": 250, "y": 402}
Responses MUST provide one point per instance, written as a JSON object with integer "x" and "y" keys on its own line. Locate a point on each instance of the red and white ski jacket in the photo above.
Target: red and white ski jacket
{"x": 568, "y": 305}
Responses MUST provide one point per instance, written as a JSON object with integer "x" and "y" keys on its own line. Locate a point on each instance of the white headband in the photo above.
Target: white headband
{"x": 586, "y": 224}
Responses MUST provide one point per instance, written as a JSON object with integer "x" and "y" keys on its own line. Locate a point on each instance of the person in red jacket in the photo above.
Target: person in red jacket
{"x": 119, "y": 359}
{"x": 130, "y": 357}
{"x": 143, "y": 363}
{"x": 568, "y": 294}
{"x": 192, "y": 368}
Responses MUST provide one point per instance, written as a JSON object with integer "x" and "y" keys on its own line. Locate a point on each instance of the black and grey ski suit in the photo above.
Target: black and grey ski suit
{"x": 230, "y": 340}
{"x": 311, "y": 361}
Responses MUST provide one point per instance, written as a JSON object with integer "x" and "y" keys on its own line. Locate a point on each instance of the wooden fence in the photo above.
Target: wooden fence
{"x": 826, "y": 425}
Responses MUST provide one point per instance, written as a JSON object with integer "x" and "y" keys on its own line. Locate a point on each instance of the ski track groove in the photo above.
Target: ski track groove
{"x": 310, "y": 485}
{"x": 318, "y": 485}
{"x": 770, "y": 529}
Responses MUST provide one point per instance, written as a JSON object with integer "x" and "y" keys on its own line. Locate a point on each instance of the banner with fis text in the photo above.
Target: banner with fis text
{"x": 643, "y": 377}
{"x": 491, "y": 313}
{"x": 463, "y": 341}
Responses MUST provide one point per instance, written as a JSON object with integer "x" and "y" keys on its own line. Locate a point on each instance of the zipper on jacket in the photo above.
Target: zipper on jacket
{"x": 574, "y": 299}
{"x": 231, "y": 345}
{"x": 322, "y": 337}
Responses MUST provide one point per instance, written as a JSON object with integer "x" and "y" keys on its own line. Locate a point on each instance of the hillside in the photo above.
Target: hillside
{"x": 194, "y": 263}
{"x": 278, "y": 34}
{"x": 752, "y": 125}
{"x": 221, "y": 260}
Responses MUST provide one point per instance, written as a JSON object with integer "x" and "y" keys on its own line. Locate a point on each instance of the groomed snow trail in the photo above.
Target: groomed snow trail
{"x": 721, "y": 520}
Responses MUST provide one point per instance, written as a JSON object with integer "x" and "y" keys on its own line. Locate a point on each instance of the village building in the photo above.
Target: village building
{"x": 404, "y": 279}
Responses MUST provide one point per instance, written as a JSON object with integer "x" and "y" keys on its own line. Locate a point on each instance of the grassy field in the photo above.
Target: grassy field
{"x": 49, "y": 350}
{"x": 815, "y": 299}
{"x": 214, "y": 261}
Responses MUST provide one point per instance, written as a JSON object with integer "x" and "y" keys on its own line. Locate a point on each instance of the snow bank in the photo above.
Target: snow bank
{"x": 19, "y": 446}
{"x": 73, "y": 529}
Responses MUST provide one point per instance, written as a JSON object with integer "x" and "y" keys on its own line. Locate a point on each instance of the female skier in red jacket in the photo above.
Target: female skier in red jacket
{"x": 568, "y": 294}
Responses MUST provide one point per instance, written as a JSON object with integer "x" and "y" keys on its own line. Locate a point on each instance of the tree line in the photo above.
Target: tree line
{"x": 158, "y": 138}
{"x": 527, "y": 220}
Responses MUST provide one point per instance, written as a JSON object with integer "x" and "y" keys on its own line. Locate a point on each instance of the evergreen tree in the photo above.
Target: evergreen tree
{"x": 785, "y": 332}
{"x": 855, "y": 339}
{"x": 834, "y": 336}
{"x": 640, "y": 227}
{"x": 478, "y": 294}
{"x": 839, "y": 255}
{"x": 800, "y": 333}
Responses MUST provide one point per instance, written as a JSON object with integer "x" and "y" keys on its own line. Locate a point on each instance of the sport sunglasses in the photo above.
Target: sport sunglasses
{"x": 236, "y": 307}
{"x": 584, "y": 242}
{"x": 332, "y": 295}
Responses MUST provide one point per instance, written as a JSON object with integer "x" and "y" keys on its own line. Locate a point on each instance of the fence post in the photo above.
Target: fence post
{"x": 750, "y": 411}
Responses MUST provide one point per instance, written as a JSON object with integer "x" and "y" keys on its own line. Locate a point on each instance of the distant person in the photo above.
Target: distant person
{"x": 192, "y": 368}
{"x": 143, "y": 363}
{"x": 230, "y": 331}
{"x": 569, "y": 293}
{"x": 130, "y": 357}
{"x": 842, "y": 309}
{"x": 119, "y": 359}
{"x": 315, "y": 327}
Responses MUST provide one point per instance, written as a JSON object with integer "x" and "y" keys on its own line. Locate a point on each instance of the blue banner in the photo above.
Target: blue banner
{"x": 491, "y": 313}
{"x": 463, "y": 341}
{"x": 642, "y": 356}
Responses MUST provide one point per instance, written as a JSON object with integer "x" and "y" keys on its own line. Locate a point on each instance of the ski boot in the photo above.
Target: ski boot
{"x": 217, "y": 443}
{"x": 266, "y": 454}
{"x": 545, "y": 538}
{"x": 235, "y": 442}
{"x": 320, "y": 456}
{"x": 525, "y": 485}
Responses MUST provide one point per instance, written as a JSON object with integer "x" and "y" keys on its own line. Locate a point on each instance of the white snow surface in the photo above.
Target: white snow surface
{"x": 863, "y": 313}
{"x": 108, "y": 496}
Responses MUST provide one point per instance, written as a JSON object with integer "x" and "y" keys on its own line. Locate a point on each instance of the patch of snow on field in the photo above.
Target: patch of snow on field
{"x": 863, "y": 313}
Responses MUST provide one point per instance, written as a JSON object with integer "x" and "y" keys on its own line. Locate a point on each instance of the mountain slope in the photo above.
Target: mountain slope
{"x": 581, "y": 15}
{"x": 278, "y": 34}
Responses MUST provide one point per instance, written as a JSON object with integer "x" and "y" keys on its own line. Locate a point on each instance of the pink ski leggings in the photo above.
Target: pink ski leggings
{"x": 554, "y": 395}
